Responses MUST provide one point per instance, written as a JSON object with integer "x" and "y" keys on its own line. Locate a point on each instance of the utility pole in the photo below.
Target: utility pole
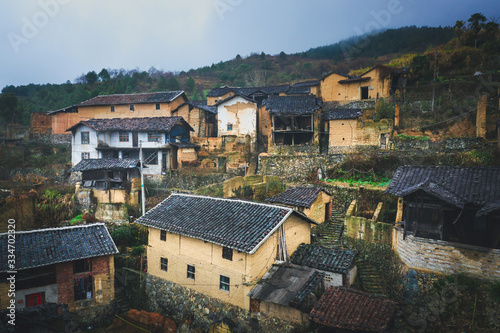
{"x": 143, "y": 196}
{"x": 434, "y": 82}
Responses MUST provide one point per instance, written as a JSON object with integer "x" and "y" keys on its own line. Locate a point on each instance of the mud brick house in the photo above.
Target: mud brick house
{"x": 378, "y": 82}
{"x": 165, "y": 141}
{"x": 112, "y": 182}
{"x": 287, "y": 292}
{"x": 156, "y": 104}
{"x": 348, "y": 310}
{"x": 220, "y": 247}
{"x": 314, "y": 202}
{"x": 338, "y": 265}
{"x": 200, "y": 116}
{"x": 448, "y": 219}
{"x": 69, "y": 265}
{"x": 348, "y": 128}
{"x": 290, "y": 120}
{"x": 237, "y": 117}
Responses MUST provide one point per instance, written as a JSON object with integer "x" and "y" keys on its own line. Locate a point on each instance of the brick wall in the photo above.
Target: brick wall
{"x": 447, "y": 257}
{"x": 64, "y": 278}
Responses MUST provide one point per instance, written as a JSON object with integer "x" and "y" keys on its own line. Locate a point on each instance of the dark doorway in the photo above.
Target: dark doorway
{"x": 364, "y": 92}
{"x": 135, "y": 139}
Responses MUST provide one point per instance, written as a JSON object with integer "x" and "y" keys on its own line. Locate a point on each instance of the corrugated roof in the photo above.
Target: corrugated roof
{"x": 143, "y": 124}
{"x": 237, "y": 224}
{"x": 297, "y": 196}
{"x": 154, "y": 97}
{"x": 457, "y": 185}
{"x": 55, "y": 245}
{"x": 315, "y": 256}
{"x": 351, "y": 309}
{"x": 106, "y": 164}
{"x": 292, "y": 105}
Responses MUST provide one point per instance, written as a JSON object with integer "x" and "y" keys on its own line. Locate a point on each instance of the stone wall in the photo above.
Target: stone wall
{"x": 447, "y": 257}
{"x": 367, "y": 230}
{"x": 181, "y": 304}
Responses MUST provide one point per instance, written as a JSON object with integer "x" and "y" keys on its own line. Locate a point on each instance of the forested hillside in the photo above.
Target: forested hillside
{"x": 462, "y": 50}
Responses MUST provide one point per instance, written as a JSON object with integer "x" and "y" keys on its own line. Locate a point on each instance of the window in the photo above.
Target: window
{"x": 224, "y": 283}
{"x": 85, "y": 138}
{"x": 83, "y": 265}
{"x": 164, "y": 264}
{"x": 35, "y": 299}
{"x": 190, "y": 272}
{"x": 112, "y": 108}
{"x": 151, "y": 157}
{"x": 154, "y": 136}
{"x": 132, "y": 107}
{"x": 229, "y": 127}
{"x": 364, "y": 92}
{"x": 85, "y": 156}
{"x": 163, "y": 235}
{"x": 157, "y": 106}
{"x": 124, "y": 137}
{"x": 83, "y": 287}
{"x": 227, "y": 253}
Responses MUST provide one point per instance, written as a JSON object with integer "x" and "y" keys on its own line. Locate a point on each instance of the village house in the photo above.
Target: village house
{"x": 343, "y": 309}
{"x": 155, "y": 104}
{"x": 257, "y": 94}
{"x": 287, "y": 292}
{"x": 448, "y": 219}
{"x": 310, "y": 87}
{"x": 348, "y": 128}
{"x": 220, "y": 247}
{"x": 200, "y": 116}
{"x": 237, "y": 117}
{"x": 290, "y": 120}
{"x": 378, "y": 82}
{"x": 314, "y": 202}
{"x": 112, "y": 182}
{"x": 338, "y": 265}
{"x": 68, "y": 265}
{"x": 165, "y": 141}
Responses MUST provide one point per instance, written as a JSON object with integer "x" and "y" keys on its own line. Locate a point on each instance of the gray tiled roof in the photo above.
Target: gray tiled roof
{"x": 143, "y": 124}
{"x": 457, "y": 185}
{"x": 276, "y": 286}
{"x": 314, "y": 256}
{"x": 310, "y": 83}
{"x": 55, "y": 245}
{"x": 202, "y": 105}
{"x": 106, "y": 164}
{"x": 297, "y": 196}
{"x": 292, "y": 105}
{"x": 247, "y": 91}
{"x": 154, "y": 97}
{"x": 237, "y": 224}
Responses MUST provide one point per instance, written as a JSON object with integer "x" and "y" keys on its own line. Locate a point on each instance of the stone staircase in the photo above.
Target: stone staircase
{"x": 369, "y": 278}
{"x": 120, "y": 286}
{"x": 330, "y": 232}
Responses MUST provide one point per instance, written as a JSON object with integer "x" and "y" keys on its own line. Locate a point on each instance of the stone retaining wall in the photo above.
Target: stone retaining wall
{"x": 180, "y": 304}
{"x": 447, "y": 257}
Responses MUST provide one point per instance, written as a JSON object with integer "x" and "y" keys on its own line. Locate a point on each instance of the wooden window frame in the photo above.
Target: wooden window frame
{"x": 157, "y": 106}
{"x": 164, "y": 264}
{"x": 225, "y": 283}
{"x": 124, "y": 136}
{"x": 154, "y": 136}
{"x": 191, "y": 271}
{"x": 227, "y": 253}
{"x": 163, "y": 235}
{"x": 85, "y": 136}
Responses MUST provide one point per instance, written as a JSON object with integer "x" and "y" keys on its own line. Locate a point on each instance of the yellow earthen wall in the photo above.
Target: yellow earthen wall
{"x": 191, "y": 117}
{"x": 317, "y": 211}
{"x": 352, "y": 132}
{"x": 213, "y": 100}
{"x": 63, "y": 120}
{"x": 209, "y": 264}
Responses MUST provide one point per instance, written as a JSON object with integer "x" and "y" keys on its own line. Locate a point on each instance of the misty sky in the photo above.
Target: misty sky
{"x": 52, "y": 41}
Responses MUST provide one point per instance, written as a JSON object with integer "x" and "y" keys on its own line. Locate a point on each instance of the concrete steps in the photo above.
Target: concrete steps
{"x": 329, "y": 233}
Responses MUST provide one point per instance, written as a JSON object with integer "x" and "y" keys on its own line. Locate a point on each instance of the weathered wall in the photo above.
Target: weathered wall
{"x": 367, "y": 230}
{"x": 447, "y": 257}
{"x": 61, "y": 121}
{"x": 287, "y": 313}
{"x": 111, "y": 212}
{"x": 349, "y": 132}
{"x": 242, "y": 115}
{"x": 194, "y": 117}
{"x": 214, "y": 100}
{"x": 41, "y": 123}
{"x": 317, "y": 211}
{"x": 332, "y": 90}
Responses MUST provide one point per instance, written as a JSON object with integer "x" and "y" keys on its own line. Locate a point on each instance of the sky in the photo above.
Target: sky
{"x": 52, "y": 41}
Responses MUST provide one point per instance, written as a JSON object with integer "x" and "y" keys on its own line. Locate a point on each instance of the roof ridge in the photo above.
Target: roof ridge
{"x": 229, "y": 199}
{"x": 58, "y": 228}
{"x": 143, "y": 93}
